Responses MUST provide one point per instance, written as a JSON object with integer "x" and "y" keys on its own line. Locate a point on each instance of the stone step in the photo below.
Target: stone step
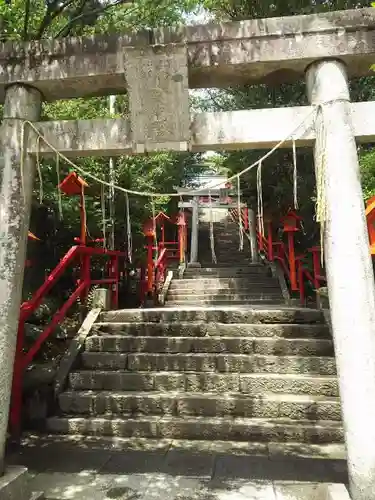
{"x": 231, "y": 258}
{"x": 246, "y": 345}
{"x": 226, "y": 263}
{"x": 218, "y": 302}
{"x": 200, "y": 329}
{"x": 246, "y": 383}
{"x": 334, "y": 451}
{"x": 213, "y": 362}
{"x": 239, "y": 429}
{"x": 201, "y": 404}
{"x": 227, "y": 272}
{"x": 224, "y": 272}
{"x": 199, "y": 296}
{"x": 211, "y": 314}
{"x": 213, "y": 284}
{"x": 177, "y": 291}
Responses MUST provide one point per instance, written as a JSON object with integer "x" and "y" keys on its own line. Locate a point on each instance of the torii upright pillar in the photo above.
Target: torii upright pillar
{"x": 349, "y": 269}
{"x": 16, "y": 187}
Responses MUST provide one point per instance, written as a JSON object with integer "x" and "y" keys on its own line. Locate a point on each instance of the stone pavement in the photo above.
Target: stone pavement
{"x": 99, "y": 469}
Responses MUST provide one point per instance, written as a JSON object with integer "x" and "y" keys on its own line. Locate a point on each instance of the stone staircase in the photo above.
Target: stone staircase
{"x": 229, "y": 374}
{"x": 226, "y": 361}
{"x": 233, "y": 280}
{"x": 251, "y": 284}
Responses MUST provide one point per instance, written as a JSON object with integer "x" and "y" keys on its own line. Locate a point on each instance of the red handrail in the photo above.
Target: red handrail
{"x": 23, "y": 359}
{"x": 292, "y": 266}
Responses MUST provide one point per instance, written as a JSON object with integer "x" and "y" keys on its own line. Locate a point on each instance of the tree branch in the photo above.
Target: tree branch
{"x": 51, "y": 14}
{"x": 64, "y": 31}
{"x": 26, "y": 20}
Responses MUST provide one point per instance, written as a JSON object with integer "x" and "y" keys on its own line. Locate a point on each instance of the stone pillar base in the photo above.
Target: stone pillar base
{"x": 14, "y": 485}
{"x": 332, "y": 491}
{"x": 193, "y": 265}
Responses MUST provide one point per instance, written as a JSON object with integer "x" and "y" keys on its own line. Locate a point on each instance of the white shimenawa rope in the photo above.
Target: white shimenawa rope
{"x": 212, "y": 238}
{"x": 260, "y": 198}
{"x": 239, "y": 213}
{"x": 157, "y": 195}
{"x": 59, "y": 197}
{"x": 295, "y": 196}
{"x": 104, "y": 225}
{"x": 129, "y": 229}
{"x": 320, "y": 166}
{"x": 37, "y": 160}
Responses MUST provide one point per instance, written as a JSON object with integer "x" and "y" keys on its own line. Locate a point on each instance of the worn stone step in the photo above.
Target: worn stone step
{"x": 218, "y": 302}
{"x": 200, "y": 329}
{"x": 201, "y": 404}
{"x": 335, "y": 451}
{"x": 227, "y": 272}
{"x": 253, "y": 383}
{"x": 244, "y": 363}
{"x": 246, "y": 345}
{"x": 224, "y": 428}
{"x": 199, "y": 286}
{"x": 223, "y": 261}
{"x": 224, "y": 272}
{"x": 225, "y": 314}
{"x": 227, "y": 297}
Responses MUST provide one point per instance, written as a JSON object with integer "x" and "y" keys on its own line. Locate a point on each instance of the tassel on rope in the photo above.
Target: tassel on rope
{"x": 39, "y": 170}
{"x": 84, "y": 222}
{"x": 59, "y": 197}
{"x": 129, "y": 229}
{"x": 23, "y": 153}
{"x": 321, "y": 179}
{"x": 295, "y": 196}
{"x": 212, "y": 238}
{"x": 104, "y": 225}
{"x": 239, "y": 208}
{"x": 260, "y": 198}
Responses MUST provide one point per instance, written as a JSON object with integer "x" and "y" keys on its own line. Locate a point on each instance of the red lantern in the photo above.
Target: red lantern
{"x": 73, "y": 184}
{"x": 148, "y": 229}
{"x": 290, "y": 221}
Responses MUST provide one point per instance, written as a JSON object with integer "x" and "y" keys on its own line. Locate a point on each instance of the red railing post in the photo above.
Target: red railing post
{"x": 150, "y": 265}
{"x": 292, "y": 261}
{"x": 246, "y": 219}
{"x": 269, "y": 241}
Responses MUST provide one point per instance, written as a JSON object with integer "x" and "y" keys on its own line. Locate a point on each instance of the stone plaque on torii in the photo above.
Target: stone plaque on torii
{"x": 325, "y": 50}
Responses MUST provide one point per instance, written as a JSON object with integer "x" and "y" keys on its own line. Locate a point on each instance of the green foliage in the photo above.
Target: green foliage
{"x": 367, "y": 162}
{"x": 33, "y": 19}
{"x": 277, "y": 170}
{"x": 36, "y": 19}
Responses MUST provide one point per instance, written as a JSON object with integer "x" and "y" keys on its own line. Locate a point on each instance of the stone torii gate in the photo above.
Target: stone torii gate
{"x": 195, "y": 203}
{"x": 157, "y": 68}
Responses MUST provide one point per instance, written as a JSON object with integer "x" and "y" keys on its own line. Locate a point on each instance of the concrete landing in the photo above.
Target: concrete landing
{"x": 133, "y": 469}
